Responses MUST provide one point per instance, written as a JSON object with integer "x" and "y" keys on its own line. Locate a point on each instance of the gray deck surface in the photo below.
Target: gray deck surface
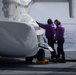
{"x": 18, "y": 67}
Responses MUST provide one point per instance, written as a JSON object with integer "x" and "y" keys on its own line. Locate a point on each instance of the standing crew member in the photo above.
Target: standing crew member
{"x": 49, "y": 33}
{"x": 60, "y": 40}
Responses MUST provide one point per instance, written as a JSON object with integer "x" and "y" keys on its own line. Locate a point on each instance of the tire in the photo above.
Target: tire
{"x": 29, "y": 60}
{"x": 41, "y": 55}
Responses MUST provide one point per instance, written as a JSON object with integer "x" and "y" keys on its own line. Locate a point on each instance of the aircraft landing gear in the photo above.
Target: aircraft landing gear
{"x": 29, "y": 60}
{"x": 41, "y": 57}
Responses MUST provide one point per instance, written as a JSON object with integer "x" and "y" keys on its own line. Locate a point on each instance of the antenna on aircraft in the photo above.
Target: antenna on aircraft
{"x": 71, "y": 8}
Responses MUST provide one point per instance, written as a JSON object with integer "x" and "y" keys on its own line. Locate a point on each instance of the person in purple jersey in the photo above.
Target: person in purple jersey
{"x": 60, "y": 40}
{"x": 49, "y": 33}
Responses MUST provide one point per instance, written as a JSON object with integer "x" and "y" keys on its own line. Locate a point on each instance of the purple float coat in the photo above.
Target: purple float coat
{"x": 60, "y": 32}
{"x": 49, "y": 29}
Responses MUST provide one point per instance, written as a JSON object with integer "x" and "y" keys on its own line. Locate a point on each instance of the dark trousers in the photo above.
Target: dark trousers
{"x": 51, "y": 42}
{"x": 60, "y": 50}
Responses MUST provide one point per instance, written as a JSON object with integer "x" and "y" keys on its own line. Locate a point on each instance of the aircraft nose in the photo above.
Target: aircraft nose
{"x": 18, "y": 39}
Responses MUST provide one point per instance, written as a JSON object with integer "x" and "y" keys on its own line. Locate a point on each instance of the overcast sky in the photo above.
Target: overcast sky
{"x": 42, "y": 11}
